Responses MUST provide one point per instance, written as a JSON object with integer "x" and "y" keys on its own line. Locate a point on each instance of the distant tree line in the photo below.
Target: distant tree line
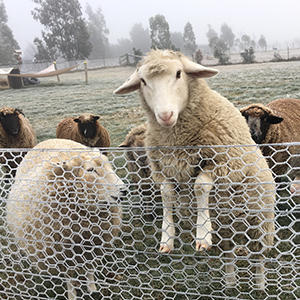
{"x": 8, "y": 44}
{"x": 69, "y": 35}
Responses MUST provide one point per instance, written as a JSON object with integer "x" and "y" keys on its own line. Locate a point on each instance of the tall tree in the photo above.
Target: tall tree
{"x": 65, "y": 30}
{"x": 98, "y": 32}
{"x": 8, "y": 44}
{"x": 227, "y": 35}
{"x": 177, "y": 40}
{"x": 189, "y": 39}
{"x": 211, "y": 33}
{"x": 246, "y": 41}
{"x": 160, "y": 33}
{"x": 262, "y": 43}
{"x": 140, "y": 37}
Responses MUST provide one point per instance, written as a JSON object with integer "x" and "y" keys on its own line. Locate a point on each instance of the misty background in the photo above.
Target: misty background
{"x": 248, "y": 21}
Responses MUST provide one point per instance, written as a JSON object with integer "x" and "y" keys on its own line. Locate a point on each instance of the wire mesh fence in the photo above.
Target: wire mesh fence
{"x": 75, "y": 224}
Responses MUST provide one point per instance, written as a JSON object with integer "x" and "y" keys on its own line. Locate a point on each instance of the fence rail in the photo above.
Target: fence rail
{"x": 128, "y": 59}
{"x": 76, "y": 224}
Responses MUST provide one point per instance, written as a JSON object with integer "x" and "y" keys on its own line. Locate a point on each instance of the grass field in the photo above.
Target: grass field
{"x": 48, "y": 103}
{"x": 147, "y": 274}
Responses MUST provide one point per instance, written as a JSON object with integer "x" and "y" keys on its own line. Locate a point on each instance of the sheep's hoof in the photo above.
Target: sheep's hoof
{"x": 164, "y": 248}
{"x": 202, "y": 246}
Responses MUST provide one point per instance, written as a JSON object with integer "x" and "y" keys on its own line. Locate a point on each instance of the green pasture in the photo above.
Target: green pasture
{"x": 48, "y": 103}
{"x": 144, "y": 272}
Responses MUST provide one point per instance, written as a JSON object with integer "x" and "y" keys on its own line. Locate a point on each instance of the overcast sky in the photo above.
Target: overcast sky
{"x": 277, "y": 20}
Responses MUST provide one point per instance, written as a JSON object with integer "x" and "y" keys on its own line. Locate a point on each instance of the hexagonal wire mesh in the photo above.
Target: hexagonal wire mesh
{"x": 69, "y": 231}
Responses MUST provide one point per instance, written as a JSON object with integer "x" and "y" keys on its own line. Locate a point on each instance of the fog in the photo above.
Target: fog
{"x": 277, "y": 22}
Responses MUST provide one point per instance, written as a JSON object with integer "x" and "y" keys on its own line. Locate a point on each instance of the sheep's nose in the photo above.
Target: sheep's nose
{"x": 166, "y": 116}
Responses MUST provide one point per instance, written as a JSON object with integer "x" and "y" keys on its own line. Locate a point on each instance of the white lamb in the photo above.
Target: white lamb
{"x": 63, "y": 208}
{"x": 183, "y": 111}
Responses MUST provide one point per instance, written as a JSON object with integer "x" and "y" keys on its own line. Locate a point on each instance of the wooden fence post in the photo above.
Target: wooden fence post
{"x": 86, "y": 72}
{"x": 55, "y": 67}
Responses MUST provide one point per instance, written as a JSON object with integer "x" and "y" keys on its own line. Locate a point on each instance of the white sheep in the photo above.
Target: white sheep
{"x": 15, "y": 132}
{"x": 181, "y": 111}
{"x": 63, "y": 208}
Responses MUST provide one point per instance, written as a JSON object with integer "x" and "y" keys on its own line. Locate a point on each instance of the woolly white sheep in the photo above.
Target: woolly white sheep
{"x": 15, "y": 132}
{"x": 85, "y": 129}
{"x": 276, "y": 122}
{"x": 182, "y": 110}
{"x": 63, "y": 206}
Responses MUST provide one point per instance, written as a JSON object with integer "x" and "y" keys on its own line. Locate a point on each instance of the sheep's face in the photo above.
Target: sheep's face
{"x": 163, "y": 82}
{"x": 259, "y": 122}
{"x": 89, "y": 177}
{"x": 87, "y": 127}
{"x": 165, "y": 90}
{"x": 11, "y": 122}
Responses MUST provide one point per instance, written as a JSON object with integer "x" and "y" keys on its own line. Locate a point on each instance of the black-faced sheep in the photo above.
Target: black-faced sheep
{"x": 15, "y": 132}
{"x": 182, "y": 111}
{"x": 276, "y": 122}
{"x": 85, "y": 129}
{"x": 137, "y": 164}
{"x": 63, "y": 206}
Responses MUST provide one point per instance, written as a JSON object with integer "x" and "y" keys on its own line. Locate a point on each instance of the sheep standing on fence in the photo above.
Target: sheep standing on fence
{"x": 276, "y": 122}
{"x": 15, "y": 132}
{"x": 85, "y": 129}
{"x": 181, "y": 111}
{"x": 63, "y": 206}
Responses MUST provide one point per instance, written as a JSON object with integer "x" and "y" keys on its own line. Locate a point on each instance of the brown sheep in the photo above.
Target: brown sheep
{"x": 138, "y": 166}
{"x": 294, "y": 174}
{"x": 276, "y": 122}
{"x": 85, "y": 129}
{"x": 15, "y": 132}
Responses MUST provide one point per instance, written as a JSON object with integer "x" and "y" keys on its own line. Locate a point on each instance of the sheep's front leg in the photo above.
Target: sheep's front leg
{"x": 91, "y": 282}
{"x": 72, "y": 295}
{"x": 168, "y": 229}
{"x": 202, "y": 188}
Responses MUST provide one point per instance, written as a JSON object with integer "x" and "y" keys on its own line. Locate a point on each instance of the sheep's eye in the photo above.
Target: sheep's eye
{"x": 178, "y": 74}
{"x": 91, "y": 169}
{"x": 143, "y": 81}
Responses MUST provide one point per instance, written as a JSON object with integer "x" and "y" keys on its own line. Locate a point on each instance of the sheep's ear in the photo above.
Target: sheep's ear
{"x": 95, "y": 118}
{"x": 272, "y": 119}
{"x": 19, "y": 111}
{"x": 124, "y": 145}
{"x": 197, "y": 70}
{"x": 132, "y": 84}
{"x": 244, "y": 112}
{"x": 63, "y": 169}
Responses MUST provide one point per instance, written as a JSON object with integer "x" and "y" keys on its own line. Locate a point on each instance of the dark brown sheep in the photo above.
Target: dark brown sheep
{"x": 85, "y": 129}
{"x": 15, "y": 132}
{"x": 139, "y": 169}
{"x": 294, "y": 174}
{"x": 276, "y": 122}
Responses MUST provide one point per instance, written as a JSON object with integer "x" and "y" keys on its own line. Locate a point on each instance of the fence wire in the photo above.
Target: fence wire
{"x": 75, "y": 226}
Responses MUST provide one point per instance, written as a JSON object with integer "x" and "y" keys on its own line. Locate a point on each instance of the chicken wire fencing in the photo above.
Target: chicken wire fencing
{"x": 80, "y": 226}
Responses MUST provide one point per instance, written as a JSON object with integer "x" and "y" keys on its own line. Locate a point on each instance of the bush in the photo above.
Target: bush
{"x": 248, "y": 56}
{"x": 198, "y": 56}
